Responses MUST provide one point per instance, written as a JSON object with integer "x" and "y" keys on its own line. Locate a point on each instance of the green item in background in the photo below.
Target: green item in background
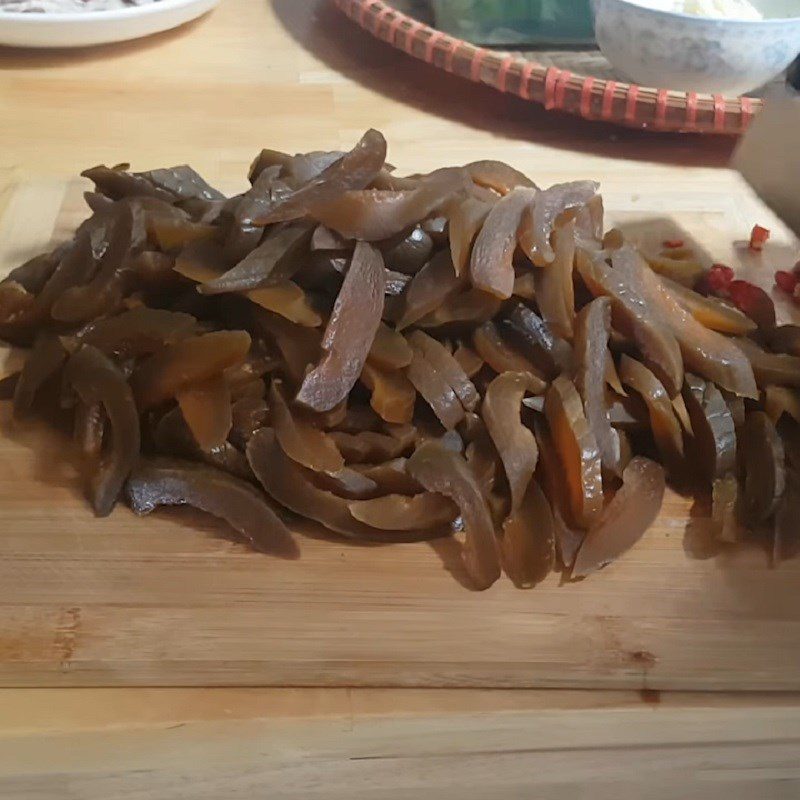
{"x": 516, "y": 22}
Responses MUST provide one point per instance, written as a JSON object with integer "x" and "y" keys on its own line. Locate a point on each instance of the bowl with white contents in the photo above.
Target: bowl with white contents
{"x": 714, "y": 46}
{"x": 78, "y": 23}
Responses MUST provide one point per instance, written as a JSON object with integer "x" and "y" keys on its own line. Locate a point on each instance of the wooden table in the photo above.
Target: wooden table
{"x": 293, "y": 74}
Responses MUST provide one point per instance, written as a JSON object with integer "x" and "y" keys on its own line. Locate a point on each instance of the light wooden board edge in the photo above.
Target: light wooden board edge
{"x": 360, "y": 744}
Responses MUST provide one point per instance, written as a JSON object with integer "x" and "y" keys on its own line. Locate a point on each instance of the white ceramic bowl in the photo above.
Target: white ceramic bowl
{"x": 700, "y": 54}
{"x": 82, "y": 28}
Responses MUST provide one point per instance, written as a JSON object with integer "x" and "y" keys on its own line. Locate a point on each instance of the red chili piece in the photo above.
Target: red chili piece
{"x": 720, "y": 278}
{"x": 758, "y": 237}
{"x": 786, "y": 281}
{"x": 753, "y": 301}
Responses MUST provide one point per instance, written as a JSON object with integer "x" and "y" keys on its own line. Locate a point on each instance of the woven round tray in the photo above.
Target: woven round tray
{"x": 589, "y": 96}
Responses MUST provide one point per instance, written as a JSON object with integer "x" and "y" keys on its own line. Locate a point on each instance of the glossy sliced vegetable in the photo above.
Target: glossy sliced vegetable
{"x": 567, "y": 538}
{"x": 366, "y": 446}
{"x": 373, "y": 215}
{"x": 408, "y": 252}
{"x": 771, "y": 368}
{"x": 634, "y": 318}
{"x": 778, "y": 401}
{"x": 443, "y": 471}
{"x": 781, "y": 339}
{"x": 548, "y": 207}
{"x": 182, "y": 182}
{"x": 329, "y": 419}
{"x": 248, "y": 414}
{"x": 468, "y": 360}
{"x": 325, "y": 239}
{"x": 592, "y": 328}
{"x": 666, "y": 428}
{"x": 525, "y": 285}
{"x": 577, "y": 450}
{"x": 171, "y": 235}
{"x": 34, "y": 273}
{"x": 288, "y": 300}
{"x": 207, "y": 312}
{"x": 677, "y": 265}
{"x": 737, "y": 408}
{"x": 549, "y": 352}
{"x": 497, "y": 175}
{"x": 306, "y": 166}
{"x": 116, "y": 184}
{"x": 299, "y": 347}
{"x": 286, "y": 483}
{"x": 389, "y": 350}
{"x": 15, "y": 302}
{"x": 625, "y": 519}
{"x": 153, "y": 271}
{"x": 354, "y": 170}
{"x": 396, "y": 283}
{"x": 349, "y": 333}
{"x": 393, "y": 394}
{"x": 273, "y": 262}
{"x": 627, "y": 413}
{"x": 359, "y": 418}
{"x": 725, "y": 509}
{"x": 347, "y": 483}
{"x": 89, "y": 428}
{"x": 491, "y": 267}
{"x": 589, "y": 223}
{"x": 104, "y": 292}
{"x": 762, "y": 458}
{"x": 436, "y": 391}
{"x": 201, "y": 261}
{"x": 514, "y": 441}
{"x": 713, "y": 428}
{"x": 76, "y": 265}
{"x": 206, "y": 407}
{"x": 400, "y": 513}
{"x": 502, "y": 356}
{"x": 442, "y": 361}
{"x": 269, "y": 188}
{"x": 528, "y": 541}
{"x": 428, "y": 289}
{"x": 44, "y": 362}
{"x": 96, "y": 379}
{"x": 466, "y": 218}
{"x": 555, "y": 294}
{"x": 711, "y": 311}
{"x": 682, "y": 413}
{"x": 390, "y": 476}
{"x": 704, "y": 351}
{"x": 137, "y": 332}
{"x": 167, "y": 482}
{"x": 192, "y": 360}
{"x": 301, "y": 441}
{"x": 469, "y": 307}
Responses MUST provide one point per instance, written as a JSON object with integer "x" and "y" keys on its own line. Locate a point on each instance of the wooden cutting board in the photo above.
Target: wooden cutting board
{"x": 173, "y": 600}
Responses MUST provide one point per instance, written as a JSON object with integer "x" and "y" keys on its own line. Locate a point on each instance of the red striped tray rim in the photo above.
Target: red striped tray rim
{"x": 554, "y": 88}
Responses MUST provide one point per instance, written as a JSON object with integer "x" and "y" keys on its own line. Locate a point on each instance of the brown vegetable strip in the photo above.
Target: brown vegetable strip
{"x": 349, "y": 333}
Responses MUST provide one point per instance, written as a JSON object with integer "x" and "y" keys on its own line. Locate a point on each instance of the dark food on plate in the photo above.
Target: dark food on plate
{"x": 398, "y": 359}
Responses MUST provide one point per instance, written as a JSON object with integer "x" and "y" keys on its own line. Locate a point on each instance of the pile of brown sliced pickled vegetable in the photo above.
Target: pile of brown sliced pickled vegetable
{"x": 399, "y": 359}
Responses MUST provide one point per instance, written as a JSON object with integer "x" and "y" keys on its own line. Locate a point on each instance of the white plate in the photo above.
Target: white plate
{"x": 83, "y": 28}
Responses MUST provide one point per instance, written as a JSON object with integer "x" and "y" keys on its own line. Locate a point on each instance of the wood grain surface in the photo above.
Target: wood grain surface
{"x": 173, "y": 600}
{"x": 351, "y": 744}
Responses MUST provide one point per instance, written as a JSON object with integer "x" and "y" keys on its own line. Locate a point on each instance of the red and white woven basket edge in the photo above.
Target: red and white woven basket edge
{"x": 556, "y": 89}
